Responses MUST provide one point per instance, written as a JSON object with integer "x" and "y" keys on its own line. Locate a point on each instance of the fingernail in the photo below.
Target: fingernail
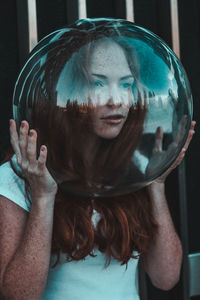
{"x": 42, "y": 148}
{"x": 23, "y": 124}
{"x": 31, "y": 133}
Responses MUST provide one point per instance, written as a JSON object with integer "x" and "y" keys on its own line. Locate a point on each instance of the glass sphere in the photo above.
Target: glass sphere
{"x": 110, "y": 100}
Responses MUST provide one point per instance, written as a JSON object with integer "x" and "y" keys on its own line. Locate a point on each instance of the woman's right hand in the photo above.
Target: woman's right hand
{"x": 41, "y": 182}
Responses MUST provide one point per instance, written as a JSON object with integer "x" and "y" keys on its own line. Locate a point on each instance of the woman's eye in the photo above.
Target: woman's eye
{"x": 98, "y": 83}
{"x": 126, "y": 85}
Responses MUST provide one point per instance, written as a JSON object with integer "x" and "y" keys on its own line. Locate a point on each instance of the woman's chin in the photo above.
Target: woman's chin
{"x": 108, "y": 134}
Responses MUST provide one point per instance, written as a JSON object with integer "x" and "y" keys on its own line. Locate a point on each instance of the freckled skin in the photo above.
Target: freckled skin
{"x": 24, "y": 263}
{"x": 31, "y": 235}
{"x": 164, "y": 258}
{"x": 25, "y": 238}
{"x": 108, "y": 68}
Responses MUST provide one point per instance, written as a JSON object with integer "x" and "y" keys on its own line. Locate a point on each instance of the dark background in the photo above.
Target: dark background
{"x": 154, "y": 15}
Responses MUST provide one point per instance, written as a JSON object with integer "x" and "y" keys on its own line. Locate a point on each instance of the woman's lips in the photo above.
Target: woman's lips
{"x": 113, "y": 119}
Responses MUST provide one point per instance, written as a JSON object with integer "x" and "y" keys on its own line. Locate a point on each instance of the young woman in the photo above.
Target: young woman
{"x": 57, "y": 245}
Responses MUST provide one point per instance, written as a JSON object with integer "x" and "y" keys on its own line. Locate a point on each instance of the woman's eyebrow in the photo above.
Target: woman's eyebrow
{"x": 99, "y": 75}
{"x": 127, "y": 77}
{"x": 105, "y": 77}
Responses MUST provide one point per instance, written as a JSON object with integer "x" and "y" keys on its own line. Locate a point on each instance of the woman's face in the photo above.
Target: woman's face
{"x": 110, "y": 90}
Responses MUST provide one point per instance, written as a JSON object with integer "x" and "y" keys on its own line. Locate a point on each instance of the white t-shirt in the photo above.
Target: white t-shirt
{"x": 87, "y": 279}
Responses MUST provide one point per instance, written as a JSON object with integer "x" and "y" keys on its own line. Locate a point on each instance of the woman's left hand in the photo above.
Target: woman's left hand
{"x": 159, "y": 154}
{"x": 163, "y": 259}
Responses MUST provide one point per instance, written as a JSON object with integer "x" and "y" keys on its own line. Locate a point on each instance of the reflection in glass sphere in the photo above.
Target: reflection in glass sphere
{"x": 110, "y": 100}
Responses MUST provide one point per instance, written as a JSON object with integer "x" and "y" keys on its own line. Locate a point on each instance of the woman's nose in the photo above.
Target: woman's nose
{"x": 114, "y": 98}
{"x": 113, "y": 103}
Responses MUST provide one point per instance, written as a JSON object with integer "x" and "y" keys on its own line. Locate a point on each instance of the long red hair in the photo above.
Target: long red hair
{"x": 126, "y": 223}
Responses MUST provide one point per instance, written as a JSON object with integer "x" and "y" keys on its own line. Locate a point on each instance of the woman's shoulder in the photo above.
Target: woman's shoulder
{"x": 12, "y": 186}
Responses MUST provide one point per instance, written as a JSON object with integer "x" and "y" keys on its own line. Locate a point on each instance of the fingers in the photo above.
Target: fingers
{"x": 42, "y": 158}
{"x": 184, "y": 149}
{"x": 193, "y": 123}
{"x": 190, "y": 135}
{"x": 23, "y": 141}
{"x": 179, "y": 159}
{"x": 158, "y": 140}
{"x": 25, "y": 147}
{"x": 32, "y": 147}
{"x": 181, "y": 129}
{"x": 14, "y": 140}
{"x": 19, "y": 143}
